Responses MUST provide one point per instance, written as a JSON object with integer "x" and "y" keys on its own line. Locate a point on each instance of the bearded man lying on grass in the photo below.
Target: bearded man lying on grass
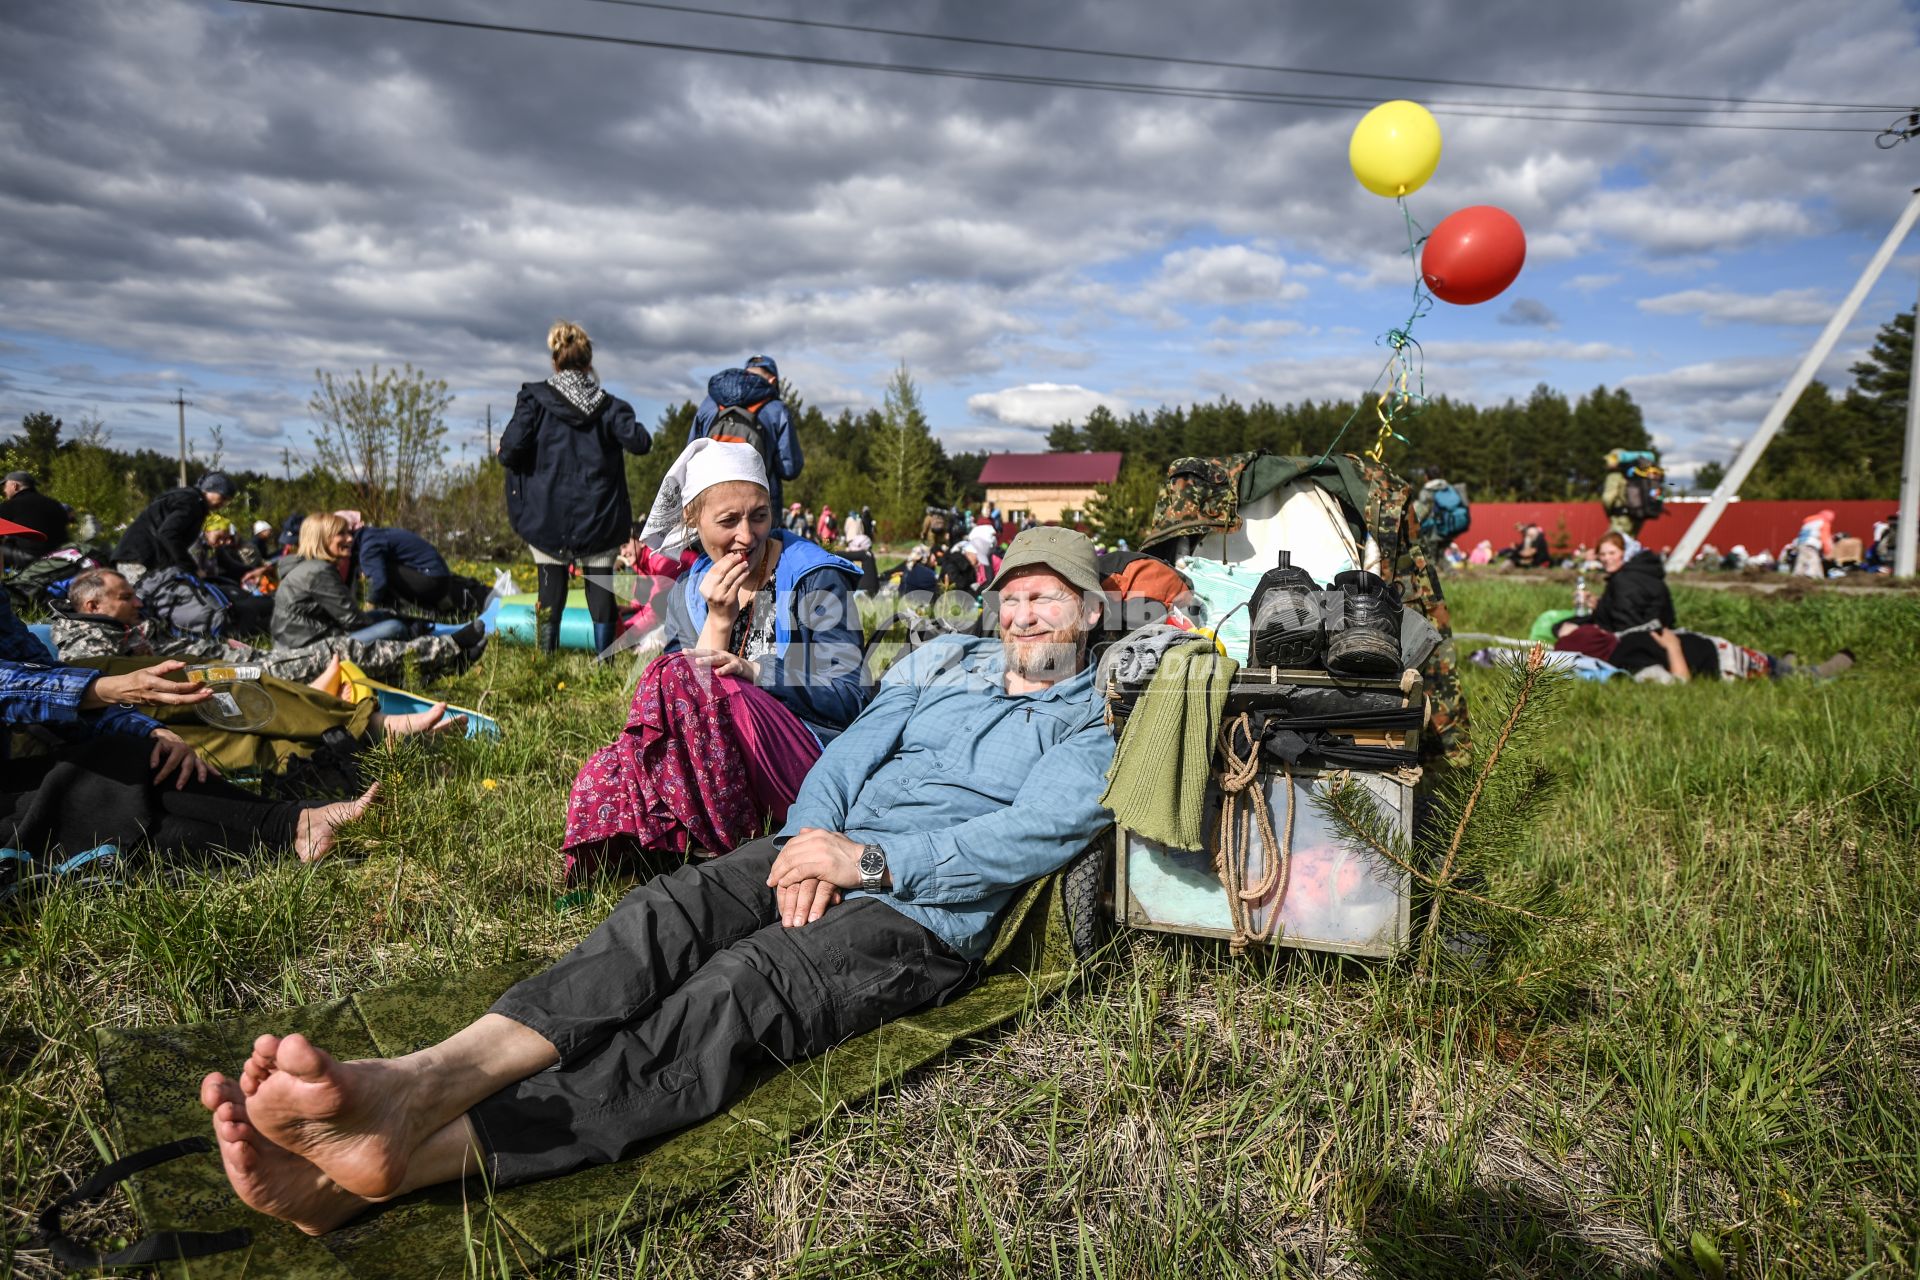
{"x": 975, "y": 770}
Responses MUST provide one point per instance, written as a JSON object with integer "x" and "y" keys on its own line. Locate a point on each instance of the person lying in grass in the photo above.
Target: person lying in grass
{"x": 101, "y": 618}
{"x": 127, "y": 780}
{"x": 307, "y": 720}
{"x": 761, "y": 669}
{"x": 1684, "y": 655}
{"x": 975, "y": 770}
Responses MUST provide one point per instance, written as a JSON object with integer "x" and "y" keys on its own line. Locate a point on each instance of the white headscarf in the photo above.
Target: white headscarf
{"x": 703, "y": 464}
{"x": 981, "y": 537}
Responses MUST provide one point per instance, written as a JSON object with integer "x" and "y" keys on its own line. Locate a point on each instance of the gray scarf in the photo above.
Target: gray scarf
{"x": 582, "y": 390}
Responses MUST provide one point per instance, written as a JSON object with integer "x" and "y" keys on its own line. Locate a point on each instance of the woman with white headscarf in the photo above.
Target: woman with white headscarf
{"x": 762, "y": 668}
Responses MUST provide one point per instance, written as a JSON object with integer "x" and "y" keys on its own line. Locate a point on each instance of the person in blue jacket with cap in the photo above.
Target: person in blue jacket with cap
{"x": 755, "y": 391}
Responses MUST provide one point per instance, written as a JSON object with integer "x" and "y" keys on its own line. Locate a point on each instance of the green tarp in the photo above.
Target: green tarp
{"x": 152, "y": 1077}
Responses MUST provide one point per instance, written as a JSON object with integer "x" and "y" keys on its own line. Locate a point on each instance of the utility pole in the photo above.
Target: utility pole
{"x": 489, "y": 431}
{"x": 1904, "y": 535}
{"x": 181, "y": 402}
{"x": 1750, "y": 452}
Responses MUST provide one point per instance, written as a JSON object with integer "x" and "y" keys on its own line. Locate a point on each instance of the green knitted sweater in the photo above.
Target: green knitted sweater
{"x": 1157, "y": 786}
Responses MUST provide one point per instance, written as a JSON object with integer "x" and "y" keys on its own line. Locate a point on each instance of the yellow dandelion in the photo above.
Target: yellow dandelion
{"x": 491, "y": 784}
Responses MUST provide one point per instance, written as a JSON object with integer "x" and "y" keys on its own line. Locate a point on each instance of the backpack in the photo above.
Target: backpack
{"x": 1450, "y": 515}
{"x": 1644, "y": 498}
{"x": 937, "y": 522}
{"x": 184, "y": 603}
{"x": 740, "y": 424}
{"x": 46, "y": 578}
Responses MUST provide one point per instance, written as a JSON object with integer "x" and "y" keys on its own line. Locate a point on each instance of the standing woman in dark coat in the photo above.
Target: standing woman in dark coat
{"x": 567, "y": 483}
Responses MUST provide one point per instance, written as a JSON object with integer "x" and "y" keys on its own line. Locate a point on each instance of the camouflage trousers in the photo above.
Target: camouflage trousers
{"x": 384, "y": 660}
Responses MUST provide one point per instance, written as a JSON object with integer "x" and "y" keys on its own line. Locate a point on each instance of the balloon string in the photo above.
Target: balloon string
{"x": 1401, "y": 368}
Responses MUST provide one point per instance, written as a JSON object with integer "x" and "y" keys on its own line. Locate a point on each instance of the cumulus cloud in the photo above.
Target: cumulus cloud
{"x": 320, "y": 191}
{"x": 1226, "y": 275}
{"x": 1656, "y": 222}
{"x": 1041, "y": 404}
{"x": 1721, "y": 306}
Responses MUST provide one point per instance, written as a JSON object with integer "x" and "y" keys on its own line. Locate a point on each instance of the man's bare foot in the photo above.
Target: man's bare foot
{"x": 419, "y": 722}
{"x": 348, "y": 1118}
{"x": 313, "y": 839}
{"x": 267, "y": 1176}
{"x": 328, "y": 681}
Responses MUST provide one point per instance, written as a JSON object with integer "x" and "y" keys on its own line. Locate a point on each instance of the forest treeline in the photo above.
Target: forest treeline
{"x": 378, "y": 446}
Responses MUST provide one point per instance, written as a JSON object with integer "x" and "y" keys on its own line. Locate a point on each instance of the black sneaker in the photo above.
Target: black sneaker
{"x": 1363, "y": 629}
{"x": 1288, "y": 627}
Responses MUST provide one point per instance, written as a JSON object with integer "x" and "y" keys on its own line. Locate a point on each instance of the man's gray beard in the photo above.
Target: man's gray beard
{"x": 1034, "y": 660}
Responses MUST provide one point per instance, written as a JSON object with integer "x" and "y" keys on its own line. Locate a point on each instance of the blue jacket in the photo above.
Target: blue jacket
{"x": 41, "y": 693}
{"x": 773, "y": 417}
{"x": 17, "y": 644}
{"x": 815, "y": 669}
{"x": 972, "y": 791}
{"x": 380, "y": 550}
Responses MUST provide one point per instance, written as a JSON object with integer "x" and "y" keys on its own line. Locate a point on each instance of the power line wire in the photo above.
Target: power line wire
{"x": 1109, "y": 86}
{"x": 1134, "y": 56}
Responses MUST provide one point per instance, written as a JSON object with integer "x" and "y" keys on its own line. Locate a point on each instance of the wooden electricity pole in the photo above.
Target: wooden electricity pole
{"x": 181, "y": 402}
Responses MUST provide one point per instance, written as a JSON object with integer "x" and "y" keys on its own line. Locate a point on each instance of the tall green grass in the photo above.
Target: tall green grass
{"x": 1730, "y": 1090}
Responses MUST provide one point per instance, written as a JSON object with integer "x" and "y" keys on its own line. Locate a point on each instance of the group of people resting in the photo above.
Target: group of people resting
{"x": 111, "y": 783}
{"x": 1631, "y": 625}
{"x": 903, "y": 819}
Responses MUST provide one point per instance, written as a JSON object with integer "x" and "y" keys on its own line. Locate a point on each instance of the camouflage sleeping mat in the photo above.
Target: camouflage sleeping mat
{"x": 152, "y": 1075}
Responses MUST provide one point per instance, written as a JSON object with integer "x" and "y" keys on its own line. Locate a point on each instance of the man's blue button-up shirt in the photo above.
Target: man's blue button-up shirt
{"x": 971, "y": 790}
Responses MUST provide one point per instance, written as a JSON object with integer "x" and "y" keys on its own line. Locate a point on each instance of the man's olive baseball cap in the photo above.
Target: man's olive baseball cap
{"x": 1064, "y": 551}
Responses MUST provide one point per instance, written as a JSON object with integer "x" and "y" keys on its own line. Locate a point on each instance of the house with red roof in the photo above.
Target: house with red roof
{"x": 1051, "y": 487}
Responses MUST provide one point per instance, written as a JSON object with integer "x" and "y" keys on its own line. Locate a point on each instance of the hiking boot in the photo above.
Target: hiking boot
{"x": 1288, "y": 629}
{"x": 1363, "y": 625}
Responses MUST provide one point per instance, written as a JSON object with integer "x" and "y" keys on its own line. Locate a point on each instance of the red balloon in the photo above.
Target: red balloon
{"x": 1473, "y": 255}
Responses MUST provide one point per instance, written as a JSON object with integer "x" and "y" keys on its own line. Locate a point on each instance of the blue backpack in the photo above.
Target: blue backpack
{"x": 1450, "y": 516}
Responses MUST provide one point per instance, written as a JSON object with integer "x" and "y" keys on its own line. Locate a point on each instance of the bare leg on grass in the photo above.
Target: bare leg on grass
{"x": 377, "y": 1127}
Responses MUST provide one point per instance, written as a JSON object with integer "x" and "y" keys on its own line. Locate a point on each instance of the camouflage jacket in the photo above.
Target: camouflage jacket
{"x": 1390, "y": 518}
{"x": 91, "y": 635}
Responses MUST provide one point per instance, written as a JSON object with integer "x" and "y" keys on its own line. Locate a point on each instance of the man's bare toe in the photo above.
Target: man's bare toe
{"x": 259, "y": 1064}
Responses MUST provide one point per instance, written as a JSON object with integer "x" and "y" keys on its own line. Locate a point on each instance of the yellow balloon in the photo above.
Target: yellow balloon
{"x": 1395, "y": 148}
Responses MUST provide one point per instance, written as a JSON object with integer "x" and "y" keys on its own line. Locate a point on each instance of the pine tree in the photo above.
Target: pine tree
{"x": 1486, "y": 934}
{"x": 903, "y": 456}
{"x": 1124, "y": 509}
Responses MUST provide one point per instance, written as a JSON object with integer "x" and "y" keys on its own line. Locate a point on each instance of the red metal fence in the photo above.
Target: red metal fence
{"x": 1754, "y": 525}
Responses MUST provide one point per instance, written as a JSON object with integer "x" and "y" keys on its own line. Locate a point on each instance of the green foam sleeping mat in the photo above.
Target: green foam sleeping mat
{"x": 152, "y": 1077}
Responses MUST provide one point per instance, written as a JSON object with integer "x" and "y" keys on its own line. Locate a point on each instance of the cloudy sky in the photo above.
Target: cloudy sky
{"x": 226, "y": 197}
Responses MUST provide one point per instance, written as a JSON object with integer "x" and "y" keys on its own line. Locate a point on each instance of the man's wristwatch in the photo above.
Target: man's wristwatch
{"x": 873, "y": 867}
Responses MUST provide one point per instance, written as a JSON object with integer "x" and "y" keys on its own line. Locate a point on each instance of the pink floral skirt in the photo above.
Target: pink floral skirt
{"x": 705, "y": 763}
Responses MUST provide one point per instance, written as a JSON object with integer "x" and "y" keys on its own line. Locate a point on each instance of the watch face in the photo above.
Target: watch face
{"x": 873, "y": 860}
